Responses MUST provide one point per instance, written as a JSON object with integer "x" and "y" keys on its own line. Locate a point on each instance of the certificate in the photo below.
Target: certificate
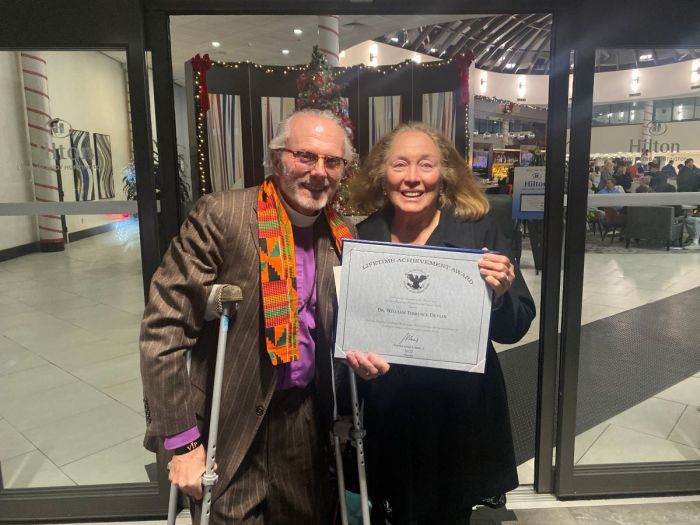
{"x": 413, "y": 305}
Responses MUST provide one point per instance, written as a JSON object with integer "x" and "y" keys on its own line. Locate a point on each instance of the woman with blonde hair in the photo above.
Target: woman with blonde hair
{"x": 438, "y": 441}
{"x": 606, "y": 173}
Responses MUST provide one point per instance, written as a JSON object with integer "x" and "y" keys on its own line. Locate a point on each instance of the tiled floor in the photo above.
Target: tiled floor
{"x": 70, "y": 391}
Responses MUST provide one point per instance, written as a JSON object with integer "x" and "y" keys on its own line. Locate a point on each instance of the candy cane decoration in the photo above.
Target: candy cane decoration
{"x": 43, "y": 166}
{"x": 329, "y": 38}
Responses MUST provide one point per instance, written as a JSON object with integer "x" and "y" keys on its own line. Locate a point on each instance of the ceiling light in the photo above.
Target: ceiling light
{"x": 645, "y": 57}
{"x": 285, "y": 51}
{"x": 216, "y": 44}
{"x": 394, "y": 38}
{"x": 510, "y": 65}
{"x": 298, "y": 31}
{"x": 416, "y": 58}
{"x": 433, "y": 50}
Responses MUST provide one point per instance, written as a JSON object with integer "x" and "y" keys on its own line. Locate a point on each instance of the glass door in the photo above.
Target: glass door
{"x": 629, "y": 414}
{"x": 79, "y": 239}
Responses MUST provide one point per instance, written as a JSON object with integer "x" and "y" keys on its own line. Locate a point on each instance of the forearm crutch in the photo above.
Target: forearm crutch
{"x": 356, "y": 434}
{"x": 230, "y": 296}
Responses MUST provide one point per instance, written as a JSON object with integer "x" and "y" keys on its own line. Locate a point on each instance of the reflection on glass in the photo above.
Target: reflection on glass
{"x": 225, "y": 142}
{"x": 384, "y": 116}
{"x": 639, "y": 379}
{"x": 683, "y": 108}
{"x": 619, "y": 114}
{"x": 71, "y": 292}
{"x": 440, "y": 111}
{"x": 662, "y": 110}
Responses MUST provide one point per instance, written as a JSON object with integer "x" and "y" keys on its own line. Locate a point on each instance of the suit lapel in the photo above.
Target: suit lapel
{"x": 254, "y": 222}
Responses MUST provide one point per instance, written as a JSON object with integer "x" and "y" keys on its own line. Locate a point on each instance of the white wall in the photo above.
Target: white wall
{"x": 505, "y": 86}
{"x": 15, "y": 162}
{"x": 672, "y": 80}
{"x": 612, "y": 140}
{"x": 386, "y": 55}
{"x": 88, "y": 90}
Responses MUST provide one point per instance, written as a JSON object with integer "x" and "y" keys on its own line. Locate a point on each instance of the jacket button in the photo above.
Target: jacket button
{"x": 259, "y": 410}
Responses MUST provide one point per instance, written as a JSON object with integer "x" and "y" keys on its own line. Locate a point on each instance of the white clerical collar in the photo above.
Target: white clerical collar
{"x": 298, "y": 219}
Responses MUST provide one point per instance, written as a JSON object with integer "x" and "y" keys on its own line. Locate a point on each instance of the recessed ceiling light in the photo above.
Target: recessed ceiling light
{"x": 394, "y": 38}
{"x": 298, "y": 31}
{"x": 216, "y": 44}
{"x": 433, "y": 50}
{"x": 285, "y": 51}
{"x": 510, "y": 65}
{"x": 645, "y": 57}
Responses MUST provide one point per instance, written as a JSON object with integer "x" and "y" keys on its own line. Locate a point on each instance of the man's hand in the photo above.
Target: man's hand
{"x": 186, "y": 471}
{"x": 367, "y": 366}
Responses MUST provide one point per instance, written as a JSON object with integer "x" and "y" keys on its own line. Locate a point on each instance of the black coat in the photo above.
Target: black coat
{"x": 439, "y": 441}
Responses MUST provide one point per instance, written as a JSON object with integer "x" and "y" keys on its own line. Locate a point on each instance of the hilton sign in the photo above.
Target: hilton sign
{"x": 654, "y": 146}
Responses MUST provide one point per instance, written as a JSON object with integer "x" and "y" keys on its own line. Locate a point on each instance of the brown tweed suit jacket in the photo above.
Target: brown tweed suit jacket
{"x": 218, "y": 244}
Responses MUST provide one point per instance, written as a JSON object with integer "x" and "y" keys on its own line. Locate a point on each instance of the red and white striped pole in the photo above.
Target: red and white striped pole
{"x": 43, "y": 168}
{"x": 329, "y": 38}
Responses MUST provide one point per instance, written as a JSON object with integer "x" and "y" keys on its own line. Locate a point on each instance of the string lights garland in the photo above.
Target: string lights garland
{"x": 202, "y": 144}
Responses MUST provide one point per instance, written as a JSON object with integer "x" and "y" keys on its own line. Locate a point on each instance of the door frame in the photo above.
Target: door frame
{"x": 614, "y": 479}
{"x": 105, "y": 25}
{"x": 157, "y": 16}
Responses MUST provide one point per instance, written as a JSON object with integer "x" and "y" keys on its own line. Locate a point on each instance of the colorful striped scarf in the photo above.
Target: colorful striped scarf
{"x": 278, "y": 272}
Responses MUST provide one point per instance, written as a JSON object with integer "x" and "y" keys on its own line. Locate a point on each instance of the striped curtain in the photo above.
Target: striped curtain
{"x": 440, "y": 111}
{"x": 225, "y": 142}
{"x": 384, "y": 116}
{"x": 274, "y": 110}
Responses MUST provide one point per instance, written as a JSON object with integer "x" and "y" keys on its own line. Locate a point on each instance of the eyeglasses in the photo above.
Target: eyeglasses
{"x": 308, "y": 160}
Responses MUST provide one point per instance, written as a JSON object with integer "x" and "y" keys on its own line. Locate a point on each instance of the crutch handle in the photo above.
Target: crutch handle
{"x": 230, "y": 293}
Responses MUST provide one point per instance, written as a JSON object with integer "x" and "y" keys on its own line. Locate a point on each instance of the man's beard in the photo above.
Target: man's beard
{"x": 296, "y": 186}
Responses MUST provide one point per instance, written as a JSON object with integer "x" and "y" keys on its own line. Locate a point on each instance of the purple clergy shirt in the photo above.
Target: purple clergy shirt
{"x": 300, "y": 373}
{"x": 297, "y": 373}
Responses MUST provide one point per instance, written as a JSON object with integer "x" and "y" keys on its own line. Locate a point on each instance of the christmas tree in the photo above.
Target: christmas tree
{"x": 317, "y": 89}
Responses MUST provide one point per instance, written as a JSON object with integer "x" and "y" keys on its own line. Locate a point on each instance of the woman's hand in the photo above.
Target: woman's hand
{"x": 497, "y": 271}
{"x": 367, "y": 366}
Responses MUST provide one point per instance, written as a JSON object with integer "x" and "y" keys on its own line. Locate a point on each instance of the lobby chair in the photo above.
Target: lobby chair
{"x": 654, "y": 223}
{"x": 614, "y": 222}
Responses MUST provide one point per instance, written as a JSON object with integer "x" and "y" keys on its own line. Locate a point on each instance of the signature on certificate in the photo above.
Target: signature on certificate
{"x": 408, "y": 338}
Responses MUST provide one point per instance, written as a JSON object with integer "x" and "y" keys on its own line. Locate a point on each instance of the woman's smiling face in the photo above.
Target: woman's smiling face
{"x": 413, "y": 174}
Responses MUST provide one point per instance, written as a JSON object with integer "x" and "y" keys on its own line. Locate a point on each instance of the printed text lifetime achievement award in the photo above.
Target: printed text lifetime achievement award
{"x": 414, "y": 305}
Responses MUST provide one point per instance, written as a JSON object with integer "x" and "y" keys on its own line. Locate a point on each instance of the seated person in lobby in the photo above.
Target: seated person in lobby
{"x": 657, "y": 177}
{"x": 593, "y": 214}
{"x": 611, "y": 187}
{"x": 692, "y": 225}
{"x": 644, "y": 186}
{"x": 665, "y": 187}
{"x": 623, "y": 178}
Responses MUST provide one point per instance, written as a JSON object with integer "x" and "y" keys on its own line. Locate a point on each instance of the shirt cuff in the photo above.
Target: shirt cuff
{"x": 181, "y": 439}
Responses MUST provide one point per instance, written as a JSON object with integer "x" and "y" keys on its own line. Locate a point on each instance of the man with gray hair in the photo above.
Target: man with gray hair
{"x": 279, "y": 243}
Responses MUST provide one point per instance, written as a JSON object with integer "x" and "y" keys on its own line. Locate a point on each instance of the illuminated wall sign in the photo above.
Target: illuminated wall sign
{"x": 654, "y": 146}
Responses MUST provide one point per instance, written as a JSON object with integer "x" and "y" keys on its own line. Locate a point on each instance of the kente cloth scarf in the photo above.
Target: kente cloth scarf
{"x": 278, "y": 272}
